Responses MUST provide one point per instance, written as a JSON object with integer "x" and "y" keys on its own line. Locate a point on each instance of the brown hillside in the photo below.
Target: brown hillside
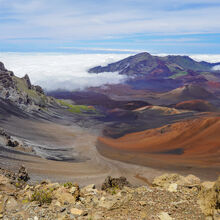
{"x": 196, "y": 105}
{"x": 194, "y": 141}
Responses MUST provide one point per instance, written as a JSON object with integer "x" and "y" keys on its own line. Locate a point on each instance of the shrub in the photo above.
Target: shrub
{"x": 42, "y": 196}
{"x": 68, "y": 185}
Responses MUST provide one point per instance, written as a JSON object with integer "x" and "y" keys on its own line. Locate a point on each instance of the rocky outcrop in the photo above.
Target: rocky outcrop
{"x": 13, "y": 142}
{"x": 28, "y": 81}
{"x": 46, "y": 200}
{"x": 23, "y": 174}
{"x": 38, "y": 89}
{"x": 115, "y": 183}
{"x": 21, "y": 92}
{"x": 2, "y": 67}
{"x": 209, "y": 199}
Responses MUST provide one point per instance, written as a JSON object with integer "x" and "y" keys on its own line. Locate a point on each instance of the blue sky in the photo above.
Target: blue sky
{"x": 106, "y": 26}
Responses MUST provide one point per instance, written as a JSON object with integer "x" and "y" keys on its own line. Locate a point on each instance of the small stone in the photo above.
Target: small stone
{"x": 173, "y": 187}
{"x": 11, "y": 204}
{"x": 73, "y": 189}
{"x": 143, "y": 203}
{"x": 108, "y": 204}
{"x": 22, "y": 174}
{"x": 78, "y": 212}
{"x": 27, "y": 187}
{"x": 208, "y": 184}
{"x": 89, "y": 187}
{"x": 164, "y": 216}
{"x": 62, "y": 209}
{"x": 53, "y": 185}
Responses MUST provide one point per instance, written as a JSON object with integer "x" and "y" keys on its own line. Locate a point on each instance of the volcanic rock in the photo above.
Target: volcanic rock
{"x": 209, "y": 200}
{"x": 28, "y": 81}
{"x": 115, "y": 182}
{"x": 23, "y": 174}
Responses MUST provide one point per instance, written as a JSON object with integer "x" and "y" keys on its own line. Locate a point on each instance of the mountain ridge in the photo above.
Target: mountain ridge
{"x": 145, "y": 63}
{"x": 21, "y": 92}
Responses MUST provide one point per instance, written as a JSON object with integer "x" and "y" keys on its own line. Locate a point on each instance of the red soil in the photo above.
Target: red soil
{"x": 198, "y": 140}
{"x": 196, "y": 105}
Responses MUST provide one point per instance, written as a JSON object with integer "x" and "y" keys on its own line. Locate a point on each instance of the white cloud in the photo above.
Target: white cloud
{"x": 212, "y": 58}
{"x": 69, "y": 71}
{"x": 98, "y": 19}
{"x": 64, "y": 71}
{"x": 216, "y": 68}
{"x": 103, "y": 49}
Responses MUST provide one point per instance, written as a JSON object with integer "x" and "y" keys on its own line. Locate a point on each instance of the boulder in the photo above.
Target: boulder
{"x": 28, "y": 81}
{"x": 164, "y": 216}
{"x": 209, "y": 199}
{"x": 189, "y": 180}
{"x": 108, "y": 203}
{"x": 207, "y": 184}
{"x": 165, "y": 180}
{"x": 2, "y": 66}
{"x": 78, "y": 212}
{"x": 12, "y": 143}
{"x": 171, "y": 182}
{"x": 173, "y": 187}
{"x": 39, "y": 89}
{"x": 64, "y": 196}
{"x": 118, "y": 183}
{"x": 22, "y": 174}
{"x": 11, "y": 204}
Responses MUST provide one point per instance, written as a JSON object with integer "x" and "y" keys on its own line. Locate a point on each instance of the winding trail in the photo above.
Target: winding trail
{"x": 50, "y": 139}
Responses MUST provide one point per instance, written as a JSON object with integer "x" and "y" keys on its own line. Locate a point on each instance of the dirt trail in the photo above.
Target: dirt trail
{"x": 87, "y": 166}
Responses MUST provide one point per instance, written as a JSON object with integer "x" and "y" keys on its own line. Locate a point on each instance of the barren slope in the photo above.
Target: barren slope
{"x": 189, "y": 143}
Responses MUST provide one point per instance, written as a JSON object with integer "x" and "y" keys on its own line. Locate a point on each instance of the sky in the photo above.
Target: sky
{"x": 110, "y": 26}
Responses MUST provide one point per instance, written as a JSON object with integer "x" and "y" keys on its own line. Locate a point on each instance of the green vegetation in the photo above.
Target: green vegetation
{"x": 78, "y": 109}
{"x": 113, "y": 190}
{"x": 68, "y": 185}
{"x": 24, "y": 201}
{"x": 174, "y": 67}
{"x": 22, "y": 87}
{"x": 187, "y": 63}
{"x": 181, "y": 73}
{"x": 42, "y": 196}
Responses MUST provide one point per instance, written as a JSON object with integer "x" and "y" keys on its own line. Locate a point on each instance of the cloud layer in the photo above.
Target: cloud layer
{"x": 216, "y": 68}
{"x": 69, "y": 71}
{"x": 62, "y": 71}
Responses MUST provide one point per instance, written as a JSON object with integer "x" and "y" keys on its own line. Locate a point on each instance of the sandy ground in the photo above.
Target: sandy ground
{"x": 87, "y": 165}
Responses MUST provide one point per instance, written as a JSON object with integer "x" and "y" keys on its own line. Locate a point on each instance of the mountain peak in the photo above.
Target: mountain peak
{"x": 20, "y": 91}
{"x": 146, "y": 64}
{"x": 2, "y": 66}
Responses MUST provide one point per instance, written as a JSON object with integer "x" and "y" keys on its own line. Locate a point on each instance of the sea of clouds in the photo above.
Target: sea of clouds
{"x": 69, "y": 71}
{"x": 62, "y": 71}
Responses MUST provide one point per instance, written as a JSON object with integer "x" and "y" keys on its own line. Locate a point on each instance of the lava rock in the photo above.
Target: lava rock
{"x": 22, "y": 174}
{"x": 115, "y": 182}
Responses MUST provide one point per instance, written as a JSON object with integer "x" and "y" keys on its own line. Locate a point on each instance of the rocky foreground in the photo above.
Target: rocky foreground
{"x": 168, "y": 197}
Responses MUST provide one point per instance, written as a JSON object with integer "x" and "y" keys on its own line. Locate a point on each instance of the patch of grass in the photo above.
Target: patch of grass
{"x": 42, "y": 196}
{"x": 77, "y": 109}
{"x": 114, "y": 189}
{"x": 24, "y": 201}
{"x": 174, "y": 67}
{"x": 22, "y": 87}
{"x": 181, "y": 73}
{"x": 18, "y": 184}
{"x": 68, "y": 185}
